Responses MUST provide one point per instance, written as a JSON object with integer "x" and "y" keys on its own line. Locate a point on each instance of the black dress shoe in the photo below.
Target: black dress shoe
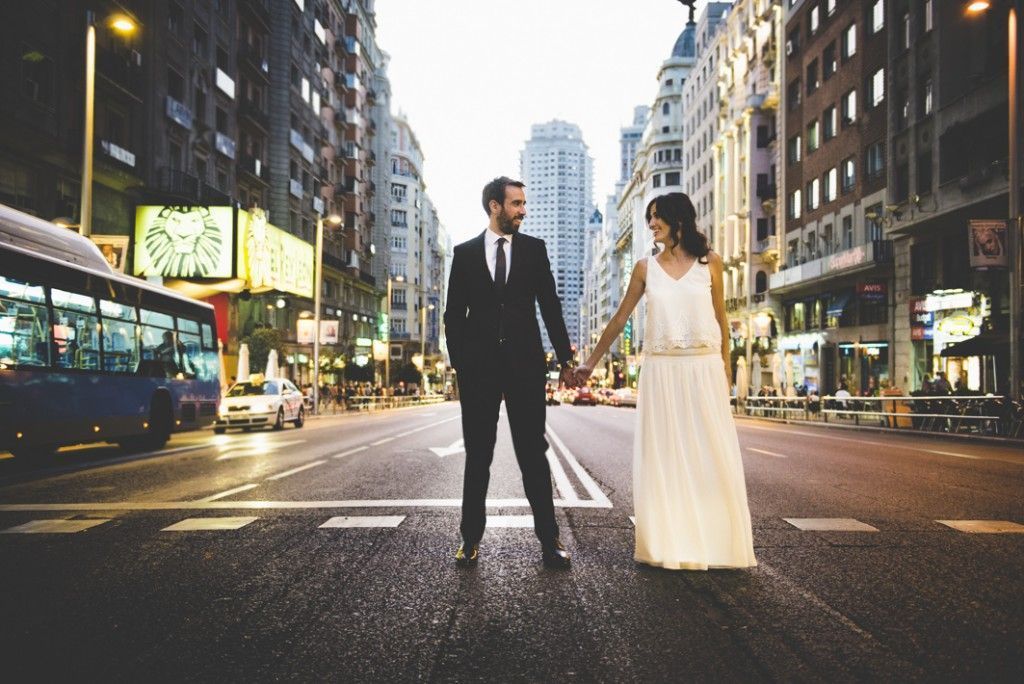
{"x": 555, "y": 556}
{"x": 467, "y": 555}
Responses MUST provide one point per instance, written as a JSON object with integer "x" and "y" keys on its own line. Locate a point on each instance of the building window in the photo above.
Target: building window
{"x": 665, "y": 108}
{"x": 873, "y": 226}
{"x": 812, "y": 136}
{"x": 813, "y": 194}
{"x": 656, "y": 180}
{"x": 876, "y": 88}
{"x": 815, "y": 20}
{"x": 847, "y": 232}
{"x": 812, "y": 77}
{"x": 793, "y": 94}
{"x": 831, "y": 179}
{"x": 877, "y": 16}
{"x": 793, "y": 42}
{"x": 762, "y": 136}
{"x": 830, "y": 7}
{"x": 849, "y": 174}
{"x": 874, "y": 160}
{"x": 905, "y": 31}
{"x": 37, "y": 76}
{"x": 849, "y": 107}
{"x": 849, "y": 46}
{"x": 795, "y": 204}
{"x": 828, "y": 59}
{"x": 924, "y": 174}
{"x": 795, "y": 149}
{"x": 829, "y": 120}
{"x": 926, "y": 11}
{"x": 672, "y": 178}
{"x": 926, "y": 96}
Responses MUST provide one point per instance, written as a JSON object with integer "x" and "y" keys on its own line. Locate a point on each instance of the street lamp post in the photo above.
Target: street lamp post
{"x": 334, "y": 220}
{"x": 423, "y": 344}
{"x": 122, "y": 24}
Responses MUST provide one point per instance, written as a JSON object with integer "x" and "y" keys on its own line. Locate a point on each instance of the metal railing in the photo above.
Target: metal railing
{"x": 328, "y": 407}
{"x": 996, "y": 416}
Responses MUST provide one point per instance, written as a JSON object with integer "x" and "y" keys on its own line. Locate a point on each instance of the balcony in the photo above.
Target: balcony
{"x": 861, "y": 257}
{"x": 253, "y": 166}
{"x": 735, "y": 303}
{"x": 371, "y": 158}
{"x": 123, "y": 70}
{"x": 178, "y": 185}
{"x": 766, "y": 191}
{"x": 251, "y": 57}
{"x": 768, "y": 246}
{"x": 250, "y": 111}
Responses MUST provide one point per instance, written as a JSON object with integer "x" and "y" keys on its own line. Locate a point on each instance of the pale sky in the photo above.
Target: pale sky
{"x": 471, "y": 76}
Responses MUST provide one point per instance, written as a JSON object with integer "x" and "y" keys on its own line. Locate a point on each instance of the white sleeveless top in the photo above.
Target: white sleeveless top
{"x": 680, "y": 314}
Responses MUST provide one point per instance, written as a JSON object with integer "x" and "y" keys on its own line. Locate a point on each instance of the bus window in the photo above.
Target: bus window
{"x": 24, "y": 325}
{"x": 120, "y": 337}
{"x": 160, "y": 320}
{"x": 75, "y": 330}
{"x": 208, "y": 341}
{"x": 159, "y": 344}
{"x": 191, "y": 355}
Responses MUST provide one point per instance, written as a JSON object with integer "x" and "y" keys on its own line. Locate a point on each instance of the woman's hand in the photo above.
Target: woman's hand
{"x": 582, "y": 374}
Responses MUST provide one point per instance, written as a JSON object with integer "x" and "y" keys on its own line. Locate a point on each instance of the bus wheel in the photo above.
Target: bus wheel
{"x": 300, "y": 420}
{"x": 279, "y": 423}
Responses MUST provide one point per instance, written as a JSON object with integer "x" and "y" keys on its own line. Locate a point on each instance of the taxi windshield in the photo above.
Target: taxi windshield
{"x": 248, "y": 389}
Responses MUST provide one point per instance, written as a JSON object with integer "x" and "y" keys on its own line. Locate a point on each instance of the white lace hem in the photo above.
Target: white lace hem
{"x": 690, "y": 342}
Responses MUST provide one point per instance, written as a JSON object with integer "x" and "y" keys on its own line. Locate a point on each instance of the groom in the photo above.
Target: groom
{"x": 495, "y": 347}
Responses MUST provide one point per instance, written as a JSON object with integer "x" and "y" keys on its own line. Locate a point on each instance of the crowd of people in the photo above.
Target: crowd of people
{"x": 349, "y": 395}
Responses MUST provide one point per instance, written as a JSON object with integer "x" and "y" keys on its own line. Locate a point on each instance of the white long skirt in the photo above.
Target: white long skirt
{"x": 689, "y": 495}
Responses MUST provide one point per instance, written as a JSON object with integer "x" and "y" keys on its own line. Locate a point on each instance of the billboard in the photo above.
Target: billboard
{"x": 988, "y": 244}
{"x": 271, "y": 259}
{"x": 184, "y": 241}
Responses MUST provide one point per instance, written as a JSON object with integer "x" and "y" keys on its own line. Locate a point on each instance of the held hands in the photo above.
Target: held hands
{"x": 568, "y": 378}
{"x": 582, "y": 374}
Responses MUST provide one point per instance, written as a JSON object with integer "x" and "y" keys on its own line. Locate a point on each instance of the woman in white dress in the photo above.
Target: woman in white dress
{"x": 689, "y": 495}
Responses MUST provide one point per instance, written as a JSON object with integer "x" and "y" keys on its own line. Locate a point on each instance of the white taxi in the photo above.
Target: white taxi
{"x": 259, "y": 403}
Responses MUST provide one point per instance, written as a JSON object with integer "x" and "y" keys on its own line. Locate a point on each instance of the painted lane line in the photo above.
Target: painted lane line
{"x": 582, "y": 475}
{"x": 768, "y": 453}
{"x": 283, "y": 505}
{"x": 229, "y": 492}
{"x": 984, "y": 526}
{"x": 561, "y": 479}
{"x": 53, "y": 526}
{"x": 888, "y": 445}
{"x": 296, "y": 470}
{"x": 382, "y": 441}
{"x": 830, "y": 525}
{"x": 364, "y": 521}
{"x": 343, "y": 454}
{"x": 204, "y": 524}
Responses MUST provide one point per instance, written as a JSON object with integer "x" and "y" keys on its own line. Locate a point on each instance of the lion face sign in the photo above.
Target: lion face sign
{"x": 184, "y": 242}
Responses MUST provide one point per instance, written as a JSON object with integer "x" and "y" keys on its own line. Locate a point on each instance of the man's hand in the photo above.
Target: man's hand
{"x": 582, "y": 374}
{"x": 568, "y": 378}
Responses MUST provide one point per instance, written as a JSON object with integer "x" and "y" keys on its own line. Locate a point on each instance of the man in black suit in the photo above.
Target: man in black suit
{"x": 494, "y": 342}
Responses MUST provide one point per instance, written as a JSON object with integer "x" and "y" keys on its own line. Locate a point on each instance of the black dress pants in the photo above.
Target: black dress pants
{"x": 480, "y": 395}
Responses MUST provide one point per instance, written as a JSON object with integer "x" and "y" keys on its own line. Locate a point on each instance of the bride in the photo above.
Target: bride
{"x": 689, "y": 495}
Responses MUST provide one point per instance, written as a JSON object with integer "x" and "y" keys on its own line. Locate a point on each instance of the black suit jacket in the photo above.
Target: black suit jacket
{"x": 475, "y": 315}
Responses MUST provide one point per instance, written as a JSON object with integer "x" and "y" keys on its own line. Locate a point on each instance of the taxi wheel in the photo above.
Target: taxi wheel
{"x": 300, "y": 419}
{"x": 279, "y": 423}
{"x": 219, "y": 431}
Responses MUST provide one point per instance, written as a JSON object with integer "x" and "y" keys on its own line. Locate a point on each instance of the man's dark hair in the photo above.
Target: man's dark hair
{"x": 495, "y": 190}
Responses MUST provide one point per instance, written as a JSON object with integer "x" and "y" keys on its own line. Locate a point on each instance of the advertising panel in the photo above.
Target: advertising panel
{"x": 183, "y": 241}
{"x": 271, "y": 259}
{"x": 987, "y": 244}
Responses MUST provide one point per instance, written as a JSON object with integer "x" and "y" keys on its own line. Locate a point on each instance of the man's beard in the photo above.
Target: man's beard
{"x": 507, "y": 225}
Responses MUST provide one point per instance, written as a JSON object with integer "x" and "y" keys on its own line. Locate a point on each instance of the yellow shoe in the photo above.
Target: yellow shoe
{"x": 467, "y": 558}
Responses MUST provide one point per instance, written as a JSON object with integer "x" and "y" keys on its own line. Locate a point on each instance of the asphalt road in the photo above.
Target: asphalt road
{"x": 96, "y": 585}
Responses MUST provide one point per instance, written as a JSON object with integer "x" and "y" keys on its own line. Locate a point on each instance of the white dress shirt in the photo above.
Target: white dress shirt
{"x": 491, "y": 251}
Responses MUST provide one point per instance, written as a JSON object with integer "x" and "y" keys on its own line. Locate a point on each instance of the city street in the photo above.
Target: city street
{"x": 326, "y": 553}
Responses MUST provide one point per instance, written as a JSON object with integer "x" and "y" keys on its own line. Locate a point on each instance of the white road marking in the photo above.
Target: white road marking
{"x": 382, "y": 441}
{"x": 561, "y": 479}
{"x": 243, "y": 451}
{"x": 343, "y": 454}
{"x": 296, "y": 470}
{"x": 455, "y": 447}
{"x": 283, "y": 505}
{"x": 229, "y": 492}
{"x": 599, "y": 498}
{"x": 510, "y": 521}
{"x": 953, "y": 453}
{"x": 53, "y": 526}
{"x": 984, "y": 526}
{"x": 768, "y": 453}
{"x": 365, "y": 521}
{"x": 830, "y": 525}
{"x": 198, "y": 524}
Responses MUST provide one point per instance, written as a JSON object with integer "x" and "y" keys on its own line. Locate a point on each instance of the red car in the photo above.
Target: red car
{"x": 584, "y": 396}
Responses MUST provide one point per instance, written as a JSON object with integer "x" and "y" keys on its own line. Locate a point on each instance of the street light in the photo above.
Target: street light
{"x": 1015, "y": 239}
{"x": 423, "y": 345}
{"x": 387, "y": 354}
{"x": 334, "y": 220}
{"x": 120, "y": 23}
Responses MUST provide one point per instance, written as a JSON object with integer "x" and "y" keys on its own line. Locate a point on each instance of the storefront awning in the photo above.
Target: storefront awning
{"x": 837, "y": 304}
{"x": 985, "y": 344}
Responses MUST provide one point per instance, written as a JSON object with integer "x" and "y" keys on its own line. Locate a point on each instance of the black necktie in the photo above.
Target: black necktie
{"x": 499, "y": 266}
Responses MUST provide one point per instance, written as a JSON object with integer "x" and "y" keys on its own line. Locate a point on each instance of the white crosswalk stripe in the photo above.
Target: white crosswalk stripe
{"x": 984, "y": 526}
{"x": 206, "y": 524}
{"x": 830, "y": 525}
{"x": 54, "y": 526}
{"x": 364, "y": 521}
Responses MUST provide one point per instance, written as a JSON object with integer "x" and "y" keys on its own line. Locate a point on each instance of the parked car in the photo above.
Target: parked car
{"x": 624, "y": 396}
{"x": 584, "y": 395}
{"x": 259, "y": 403}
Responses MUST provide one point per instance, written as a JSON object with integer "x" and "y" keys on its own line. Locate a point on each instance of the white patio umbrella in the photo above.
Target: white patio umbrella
{"x": 777, "y": 372}
{"x": 788, "y": 374}
{"x": 272, "y": 369}
{"x": 243, "y": 363}
{"x": 742, "y": 379}
{"x": 223, "y": 367}
{"x": 755, "y": 374}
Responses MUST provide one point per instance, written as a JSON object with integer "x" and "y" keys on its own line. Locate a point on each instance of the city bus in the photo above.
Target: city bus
{"x": 88, "y": 354}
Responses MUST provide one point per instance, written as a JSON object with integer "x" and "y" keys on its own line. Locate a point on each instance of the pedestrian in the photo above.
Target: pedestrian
{"x": 689, "y": 494}
{"x": 926, "y": 385}
{"x": 941, "y": 385}
{"x": 497, "y": 280}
